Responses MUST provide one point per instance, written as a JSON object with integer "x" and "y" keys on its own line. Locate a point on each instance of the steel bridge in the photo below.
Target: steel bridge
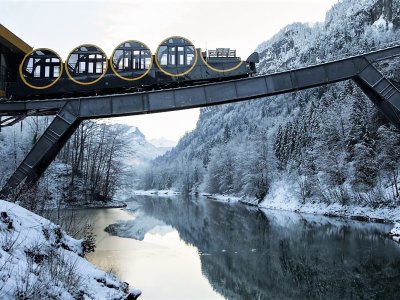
{"x": 70, "y": 112}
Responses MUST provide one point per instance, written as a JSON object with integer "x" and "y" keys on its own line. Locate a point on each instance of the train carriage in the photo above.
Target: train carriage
{"x": 132, "y": 67}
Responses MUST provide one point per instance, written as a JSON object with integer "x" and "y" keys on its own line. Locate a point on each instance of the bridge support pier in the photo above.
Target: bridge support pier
{"x": 45, "y": 150}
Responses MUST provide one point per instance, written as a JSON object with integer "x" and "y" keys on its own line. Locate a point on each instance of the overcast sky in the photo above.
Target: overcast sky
{"x": 235, "y": 24}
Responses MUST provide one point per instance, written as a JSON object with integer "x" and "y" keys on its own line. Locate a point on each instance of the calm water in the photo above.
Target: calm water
{"x": 174, "y": 248}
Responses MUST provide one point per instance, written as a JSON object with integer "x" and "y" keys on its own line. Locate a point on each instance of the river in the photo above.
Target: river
{"x": 196, "y": 248}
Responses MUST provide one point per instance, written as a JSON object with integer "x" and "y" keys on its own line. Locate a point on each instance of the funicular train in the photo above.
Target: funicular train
{"x": 132, "y": 67}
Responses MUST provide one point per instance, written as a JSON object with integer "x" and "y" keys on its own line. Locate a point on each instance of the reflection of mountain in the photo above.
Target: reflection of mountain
{"x": 282, "y": 255}
{"x": 134, "y": 229}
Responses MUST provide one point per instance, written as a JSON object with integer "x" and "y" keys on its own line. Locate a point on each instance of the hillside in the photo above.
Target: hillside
{"x": 40, "y": 261}
{"x": 327, "y": 144}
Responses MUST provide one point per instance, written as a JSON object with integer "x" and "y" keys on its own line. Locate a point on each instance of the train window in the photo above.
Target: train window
{"x": 190, "y": 54}
{"x": 82, "y": 67}
{"x": 132, "y": 60}
{"x": 99, "y": 67}
{"x": 147, "y": 61}
{"x": 37, "y": 72}
{"x": 81, "y": 61}
{"x": 86, "y": 64}
{"x": 136, "y": 59}
{"x": 56, "y": 71}
{"x": 181, "y": 56}
{"x": 125, "y": 62}
{"x": 91, "y": 68}
{"x": 41, "y": 68}
{"x": 172, "y": 56}
{"x": 190, "y": 58}
{"x": 163, "y": 55}
{"x": 176, "y": 56}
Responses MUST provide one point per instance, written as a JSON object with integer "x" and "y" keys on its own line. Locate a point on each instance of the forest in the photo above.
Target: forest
{"x": 89, "y": 169}
{"x": 328, "y": 144}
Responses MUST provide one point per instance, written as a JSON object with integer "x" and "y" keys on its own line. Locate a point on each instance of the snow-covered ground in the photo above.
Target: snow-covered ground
{"x": 395, "y": 233}
{"x": 40, "y": 261}
{"x": 282, "y": 197}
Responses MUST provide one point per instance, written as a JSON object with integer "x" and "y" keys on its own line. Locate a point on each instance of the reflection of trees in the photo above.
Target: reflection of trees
{"x": 294, "y": 257}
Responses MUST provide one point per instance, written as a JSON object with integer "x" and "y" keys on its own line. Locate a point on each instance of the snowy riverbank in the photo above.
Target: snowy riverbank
{"x": 368, "y": 214}
{"x": 40, "y": 261}
{"x": 282, "y": 198}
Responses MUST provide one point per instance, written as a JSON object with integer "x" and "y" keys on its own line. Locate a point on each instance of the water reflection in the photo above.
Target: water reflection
{"x": 249, "y": 254}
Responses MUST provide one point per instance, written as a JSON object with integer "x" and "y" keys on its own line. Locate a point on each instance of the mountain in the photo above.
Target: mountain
{"x": 326, "y": 144}
{"x": 163, "y": 143}
{"x": 139, "y": 151}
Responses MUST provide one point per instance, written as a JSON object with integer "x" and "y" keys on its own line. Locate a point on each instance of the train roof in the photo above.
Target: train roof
{"x": 12, "y": 42}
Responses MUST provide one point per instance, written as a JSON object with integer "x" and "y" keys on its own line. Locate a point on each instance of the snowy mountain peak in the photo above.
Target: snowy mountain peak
{"x": 163, "y": 143}
{"x": 131, "y": 131}
{"x": 135, "y": 132}
{"x": 140, "y": 151}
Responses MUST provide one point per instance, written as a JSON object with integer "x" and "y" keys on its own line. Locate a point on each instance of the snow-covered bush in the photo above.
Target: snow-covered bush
{"x": 395, "y": 232}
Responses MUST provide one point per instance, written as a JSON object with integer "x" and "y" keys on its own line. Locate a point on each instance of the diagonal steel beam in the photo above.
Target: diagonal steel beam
{"x": 45, "y": 150}
{"x": 383, "y": 93}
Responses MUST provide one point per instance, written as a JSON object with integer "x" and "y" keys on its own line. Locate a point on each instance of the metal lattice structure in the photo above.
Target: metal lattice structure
{"x": 69, "y": 113}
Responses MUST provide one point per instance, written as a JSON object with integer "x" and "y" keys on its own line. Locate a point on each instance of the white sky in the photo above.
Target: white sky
{"x": 235, "y": 24}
